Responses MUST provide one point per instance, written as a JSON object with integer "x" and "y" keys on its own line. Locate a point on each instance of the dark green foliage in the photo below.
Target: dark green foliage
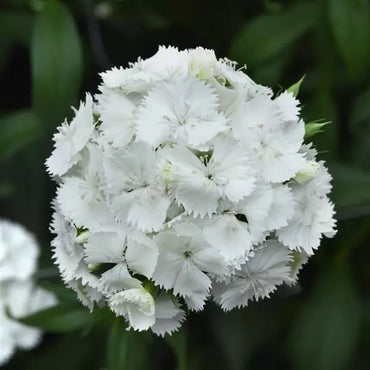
{"x": 56, "y": 61}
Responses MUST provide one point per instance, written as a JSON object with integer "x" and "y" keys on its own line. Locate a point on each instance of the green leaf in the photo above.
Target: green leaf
{"x": 6, "y": 189}
{"x": 294, "y": 89}
{"x": 59, "y": 290}
{"x": 270, "y": 73}
{"x": 56, "y": 58}
{"x": 60, "y": 319}
{"x": 15, "y": 26}
{"x": 325, "y": 332}
{"x": 117, "y": 346}
{"x": 313, "y": 128}
{"x": 178, "y": 342}
{"x": 351, "y": 190}
{"x": 360, "y": 114}
{"x": 268, "y": 35}
{"x": 18, "y": 130}
{"x": 350, "y": 22}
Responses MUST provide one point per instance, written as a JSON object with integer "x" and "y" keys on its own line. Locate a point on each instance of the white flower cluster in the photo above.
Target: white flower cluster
{"x": 182, "y": 180}
{"x": 19, "y": 296}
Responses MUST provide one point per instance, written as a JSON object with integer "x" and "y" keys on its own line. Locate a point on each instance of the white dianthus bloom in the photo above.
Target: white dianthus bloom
{"x": 137, "y": 305}
{"x": 258, "y": 277}
{"x": 139, "y": 253}
{"x": 117, "y": 115}
{"x": 67, "y": 252}
{"x": 89, "y": 295}
{"x": 184, "y": 261}
{"x": 166, "y": 64}
{"x": 168, "y": 316}
{"x": 184, "y": 179}
{"x": 135, "y": 194}
{"x": 199, "y": 183}
{"x": 71, "y": 139}
{"x": 19, "y": 296}
{"x": 80, "y": 196}
{"x": 313, "y": 217}
{"x": 274, "y": 141}
{"x": 182, "y": 111}
{"x": 282, "y": 207}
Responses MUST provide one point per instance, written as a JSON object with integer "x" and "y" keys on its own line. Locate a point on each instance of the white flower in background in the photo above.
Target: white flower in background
{"x": 19, "y": 296}
{"x": 18, "y": 252}
{"x": 184, "y": 180}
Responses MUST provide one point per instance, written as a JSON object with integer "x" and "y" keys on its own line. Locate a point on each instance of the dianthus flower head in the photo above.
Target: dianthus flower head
{"x": 183, "y": 180}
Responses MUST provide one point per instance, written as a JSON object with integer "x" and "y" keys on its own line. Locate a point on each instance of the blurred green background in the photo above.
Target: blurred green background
{"x": 52, "y": 52}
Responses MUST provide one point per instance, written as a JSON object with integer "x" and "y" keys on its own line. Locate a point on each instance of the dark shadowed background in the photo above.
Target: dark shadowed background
{"x": 52, "y": 52}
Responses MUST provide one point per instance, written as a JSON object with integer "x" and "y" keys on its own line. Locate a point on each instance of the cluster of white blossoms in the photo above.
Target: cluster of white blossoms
{"x": 184, "y": 180}
{"x": 19, "y": 296}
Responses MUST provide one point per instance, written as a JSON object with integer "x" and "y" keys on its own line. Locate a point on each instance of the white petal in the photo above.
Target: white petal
{"x": 167, "y": 63}
{"x": 258, "y": 277}
{"x": 67, "y": 257}
{"x": 141, "y": 256}
{"x": 71, "y": 139}
{"x": 82, "y": 203}
{"x": 313, "y": 217}
{"x": 118, "y": 278}
{"x": 168, "y": 317}
{"x": 148, "y": 211}
{"x": 137, "y": 305}
{"x": 288, "y": 105}
{"x": 104, "y": 247}
{"x": 190, "y": 279}
{"x": 189, "y": 183}
{"x": 276, "y": 166}
{"x": 117, "y": 116}
{"x": 181, "y": 110}
{"x": 18, "y": 251}
{"x": 259, "y": 111}
{"x": 282, "y": 207}
{"x": 86, "y": 294}
{"x": 196, "y": 301}
{"x": 229, "y": 236}
{"x": 138, "y": 320}
{"x": 230, "y": 168}
{"x": 170, "y": 260}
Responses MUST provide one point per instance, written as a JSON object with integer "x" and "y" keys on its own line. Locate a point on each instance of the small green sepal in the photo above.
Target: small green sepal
{"x": 294, "y": 89}
{"x": 315, "y": 127}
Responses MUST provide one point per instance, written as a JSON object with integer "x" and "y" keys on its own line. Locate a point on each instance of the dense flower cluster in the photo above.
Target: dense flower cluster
{"x": 18, "y": 294}
{"x": 181, "y": 180}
